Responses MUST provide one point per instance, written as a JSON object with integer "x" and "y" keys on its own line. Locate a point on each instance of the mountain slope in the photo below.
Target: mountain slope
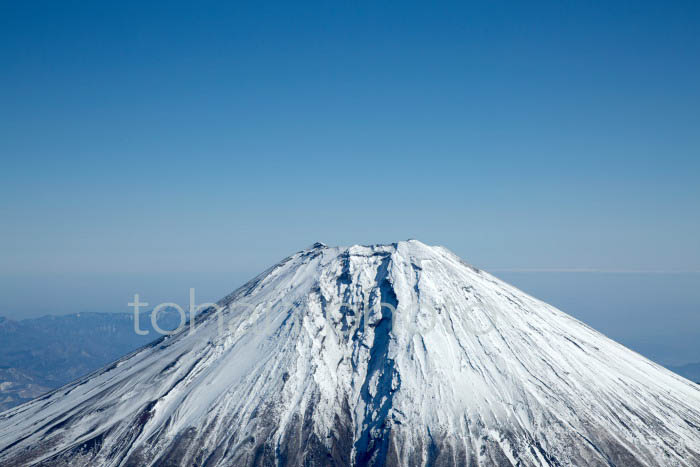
{"x": 395, "y": 354}
{"x": 690, "y": 371}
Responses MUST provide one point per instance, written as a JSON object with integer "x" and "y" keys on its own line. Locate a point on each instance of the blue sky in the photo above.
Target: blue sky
{"x": 155, "y": 145}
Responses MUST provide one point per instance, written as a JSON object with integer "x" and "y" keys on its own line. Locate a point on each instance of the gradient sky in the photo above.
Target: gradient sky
{"x": 150, "y": 146}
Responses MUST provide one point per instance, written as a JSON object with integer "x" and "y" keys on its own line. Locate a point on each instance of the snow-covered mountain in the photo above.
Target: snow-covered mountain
{"x": 397, "y": 354}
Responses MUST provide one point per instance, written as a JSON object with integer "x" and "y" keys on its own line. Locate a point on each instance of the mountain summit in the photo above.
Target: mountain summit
{"x": 399, "y": 355}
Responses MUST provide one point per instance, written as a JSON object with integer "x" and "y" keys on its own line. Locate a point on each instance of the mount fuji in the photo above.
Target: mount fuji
{"x": 397, "y": 355}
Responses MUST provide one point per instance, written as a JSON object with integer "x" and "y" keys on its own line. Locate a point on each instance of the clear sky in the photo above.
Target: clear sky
{"x": 147, "y": 145}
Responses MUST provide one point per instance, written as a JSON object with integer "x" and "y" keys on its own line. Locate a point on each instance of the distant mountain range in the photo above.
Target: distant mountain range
{"x": 41, "y": 354}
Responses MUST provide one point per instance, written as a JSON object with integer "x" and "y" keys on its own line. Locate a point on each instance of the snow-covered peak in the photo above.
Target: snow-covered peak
{"x": 396, "y": 354}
